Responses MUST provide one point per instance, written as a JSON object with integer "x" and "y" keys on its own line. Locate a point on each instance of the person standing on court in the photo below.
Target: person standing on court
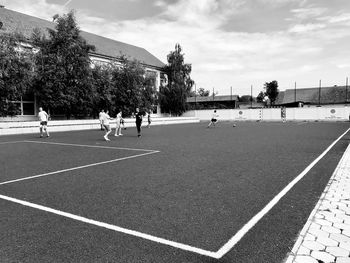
{"x": 43, "y": 118}
{"x": 214, "y": 119}
{"x": 139, "y": 117}
{"x": 118, "y": 128}
{"x": 100, "y": 118}
{"x": 149, "y": 119}
{"x": 106, "y": 125}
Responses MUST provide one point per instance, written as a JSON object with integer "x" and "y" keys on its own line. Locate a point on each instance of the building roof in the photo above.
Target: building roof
{"x": 328, "y": 95}
{"x": 216, "y": 98}
{"x": 18, "y": 22}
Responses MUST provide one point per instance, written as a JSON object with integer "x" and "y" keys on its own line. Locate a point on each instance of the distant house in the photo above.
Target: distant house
{"x": 210, "y": 102}
{"x": 313, "y": 96}
{"x": 106, "y": 50}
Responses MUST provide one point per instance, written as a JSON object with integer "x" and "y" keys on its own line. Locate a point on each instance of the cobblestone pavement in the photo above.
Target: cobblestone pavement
{"x": 325, "y": 237}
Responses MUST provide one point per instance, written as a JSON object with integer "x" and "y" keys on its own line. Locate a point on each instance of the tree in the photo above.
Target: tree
{"x": 15, "y": 73}
{"x": 203, "y": 93}
{"x": 271, "y": 90}
{"x": 245, "y": 98}
{"x": 63, "y": 79}
{"x": 101, "y": 88}
{"x": 261, "y": 96}
{"x": 131, "y": 88}
{"x": 173, "y": 96}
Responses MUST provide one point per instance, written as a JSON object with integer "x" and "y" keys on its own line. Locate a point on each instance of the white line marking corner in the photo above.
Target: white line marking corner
{"x": 113, "y": 227}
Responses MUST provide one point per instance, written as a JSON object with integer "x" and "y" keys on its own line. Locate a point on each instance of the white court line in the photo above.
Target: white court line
{"x": 113, "y": 227}
{"x": 91, "y": 146}
{"x": 244, "y": 230}
{"x": 224, "y": 249}
{"x": 76, "y": 168}
{"x": 11, "y": 142}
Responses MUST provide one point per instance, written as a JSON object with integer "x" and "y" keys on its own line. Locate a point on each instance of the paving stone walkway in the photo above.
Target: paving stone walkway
{"x": 325, "y": 237}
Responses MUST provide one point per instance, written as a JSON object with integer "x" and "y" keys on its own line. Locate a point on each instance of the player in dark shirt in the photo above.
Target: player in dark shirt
{"x": 139, "y": 117}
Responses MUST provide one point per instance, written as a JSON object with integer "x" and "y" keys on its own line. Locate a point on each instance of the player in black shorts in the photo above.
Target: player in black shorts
{"x": 214, "y": 119}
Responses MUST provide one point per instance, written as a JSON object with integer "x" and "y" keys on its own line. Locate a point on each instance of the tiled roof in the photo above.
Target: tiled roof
{"x": 17, "y": 22}
{"x": 216, "y": 98}
{"x": 328, "y": 95}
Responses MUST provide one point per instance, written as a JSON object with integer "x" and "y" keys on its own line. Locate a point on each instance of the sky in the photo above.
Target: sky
{"x": 229, "y": 43}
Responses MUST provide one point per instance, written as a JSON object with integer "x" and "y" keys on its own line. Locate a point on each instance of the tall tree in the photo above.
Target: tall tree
{"x": 173, "y": 96}
{"x": 271, "y": 90}
{"x": 260, "y": 97}
{"x": 63, "y": 82}
{"x": 15, "y": 73}
{"x": 131, "y": 89}
{"x": 102, "y": 86}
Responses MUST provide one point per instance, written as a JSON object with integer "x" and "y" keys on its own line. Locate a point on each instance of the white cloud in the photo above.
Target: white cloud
{"x": 345, "y": 65}
{"x": 222, "y": 59}
{"x": 302, "y": 28}
{"x": 337, "y": 19}
{"x": 308, "y": 12}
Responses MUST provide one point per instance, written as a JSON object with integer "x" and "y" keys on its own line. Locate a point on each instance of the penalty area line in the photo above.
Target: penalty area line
{"x": 113, "y": 227}
{"x": 11, "y": 142}
{"x": 76, "y": 168}
{"x": 91, "y": 146}
{"x": 251, "y": 223}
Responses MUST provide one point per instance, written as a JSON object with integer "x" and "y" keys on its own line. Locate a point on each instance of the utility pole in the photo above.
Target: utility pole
{"x": 251, "y": 96}
{"x": 346, "y": 91}
{"x": 195, "y": 96}
{"x": 319, "y": 94}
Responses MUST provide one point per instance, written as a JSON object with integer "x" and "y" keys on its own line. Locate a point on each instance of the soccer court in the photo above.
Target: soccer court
{"x": 181, "y": 193}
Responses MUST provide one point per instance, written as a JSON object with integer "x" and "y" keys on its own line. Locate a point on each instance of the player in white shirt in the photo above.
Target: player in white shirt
{"x": 214, "y": 119}
{"x": 105, "y": 122}
{"x": 100, "y": 118}
{"x": 43, "y": 118}
{"x": 118, "y": 129}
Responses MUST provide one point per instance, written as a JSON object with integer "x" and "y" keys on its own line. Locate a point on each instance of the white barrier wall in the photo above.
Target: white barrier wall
{"x": 7, "y": 128}
{"x": 325, "y": 113}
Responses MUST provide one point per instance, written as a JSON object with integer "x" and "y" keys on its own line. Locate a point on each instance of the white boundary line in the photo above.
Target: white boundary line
{"x": 222, "y": 251}
{"x": 11, "y": 142}
{"x": 76, "y": 168}
{"x": 251, "y": 223}
{"x": 306, "y": 227}
{"x": 91, "y": 146}
{"x": 113, "y": 227}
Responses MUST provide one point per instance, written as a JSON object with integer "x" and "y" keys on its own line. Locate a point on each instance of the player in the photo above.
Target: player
{"x": 118, "y": 129}
{"x": 149, "y": 119}
{"x": 106, "y": 125}
{"x": 139, "y": 117}
{"x": 214, "y": 119}
{"x": 100, "y": 118}
{"x": 43, "y": 118}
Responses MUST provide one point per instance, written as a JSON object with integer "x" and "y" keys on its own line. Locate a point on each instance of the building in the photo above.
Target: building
{"x": 313, "y": 96}
{"x": 211, "y": 102}
{"x": 220, "y": 102}
{"x": 106, "y": 50}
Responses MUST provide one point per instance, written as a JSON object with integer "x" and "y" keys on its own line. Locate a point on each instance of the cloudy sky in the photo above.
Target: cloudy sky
{"x": 235, "y": 43}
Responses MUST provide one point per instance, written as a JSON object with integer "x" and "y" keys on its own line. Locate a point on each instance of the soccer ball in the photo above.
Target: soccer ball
{"x": 234, "y": 125}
